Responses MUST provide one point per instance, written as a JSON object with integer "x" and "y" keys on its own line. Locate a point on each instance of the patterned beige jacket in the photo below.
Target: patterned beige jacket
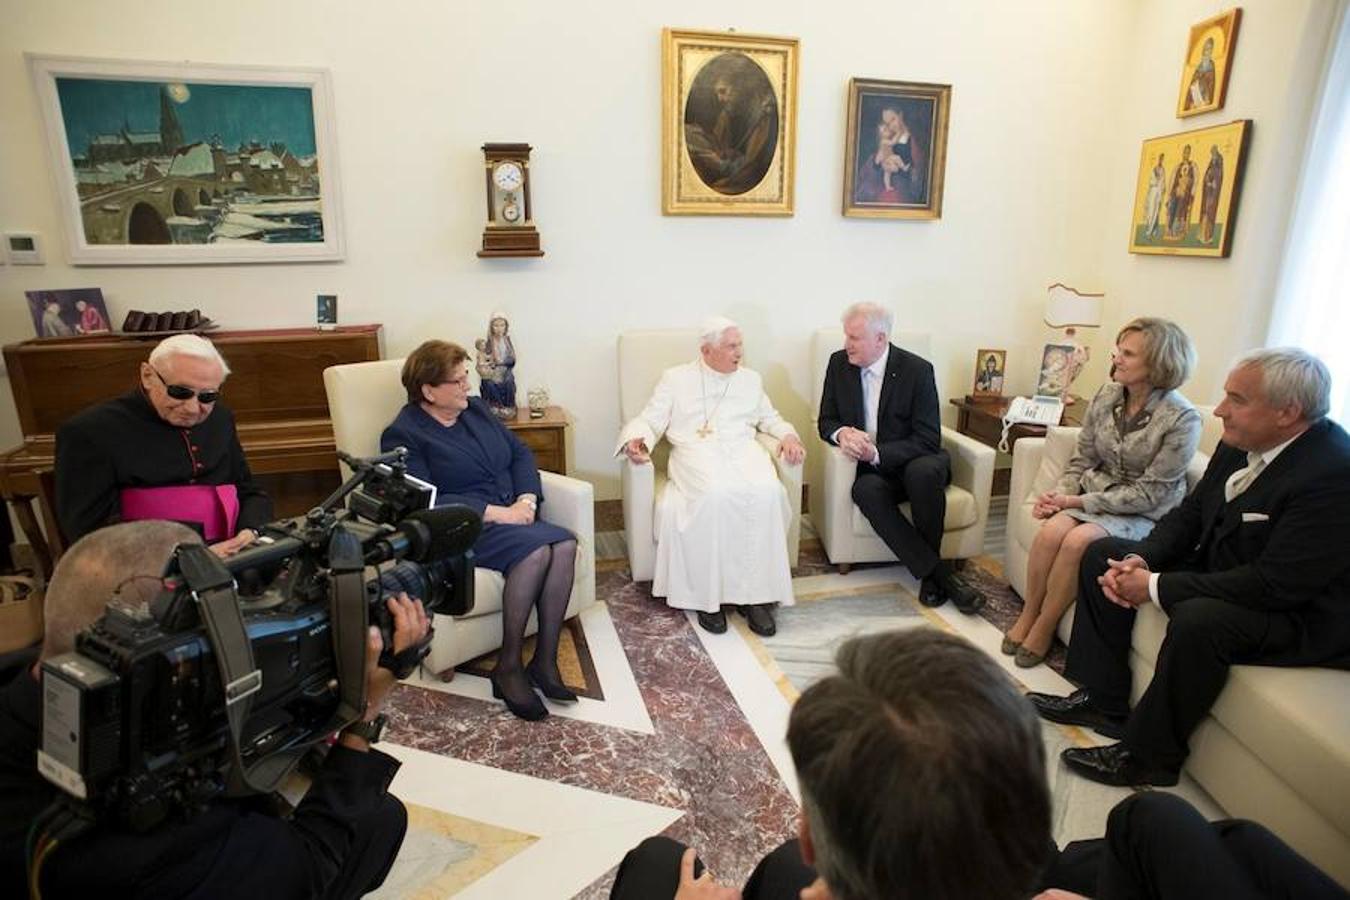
{"x": 1137, "y": 467}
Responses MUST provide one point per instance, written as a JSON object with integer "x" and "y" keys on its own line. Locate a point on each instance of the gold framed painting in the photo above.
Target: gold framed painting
{"x": 728, "y": 123}
{"x": 990, "y": 367}
{"x": 1186, "y": 193}
{"x": 895, "y": 149}
{"x": 1209, "y": 60}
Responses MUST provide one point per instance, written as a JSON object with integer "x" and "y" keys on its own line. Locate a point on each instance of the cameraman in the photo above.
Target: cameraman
{"x": 340, "y": 841}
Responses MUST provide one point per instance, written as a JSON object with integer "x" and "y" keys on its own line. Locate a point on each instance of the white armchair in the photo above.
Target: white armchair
{"x": 844, "y": 531}
{"x": 643, "y": 356}
{"x": 363, "y": 398}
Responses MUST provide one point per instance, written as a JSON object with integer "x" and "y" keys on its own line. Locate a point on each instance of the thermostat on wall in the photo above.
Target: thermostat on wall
{"x": 23, "y": 248}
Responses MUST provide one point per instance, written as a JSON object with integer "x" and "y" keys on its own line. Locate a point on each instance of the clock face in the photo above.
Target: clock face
{"x": 507, "y": 176}
{"x": 511, "y": 212}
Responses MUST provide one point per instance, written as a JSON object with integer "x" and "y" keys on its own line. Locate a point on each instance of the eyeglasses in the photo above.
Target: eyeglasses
{"x": 183, "y": 392}
{"x": 461, "y": 381}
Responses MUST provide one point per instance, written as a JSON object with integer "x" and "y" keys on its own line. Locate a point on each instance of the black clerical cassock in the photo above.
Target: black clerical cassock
{"x": 122, "y": 445}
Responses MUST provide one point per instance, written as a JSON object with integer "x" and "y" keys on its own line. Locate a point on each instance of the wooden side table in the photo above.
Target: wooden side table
{"x": 546, "y": 437}
{"x": 983, "y": 420}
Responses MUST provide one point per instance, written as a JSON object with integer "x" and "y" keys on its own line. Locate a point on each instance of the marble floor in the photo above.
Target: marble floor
{"x": 688, "y": 741}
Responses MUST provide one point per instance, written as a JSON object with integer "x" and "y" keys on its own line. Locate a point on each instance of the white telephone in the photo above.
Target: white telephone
{"x": 1042, "y": 409}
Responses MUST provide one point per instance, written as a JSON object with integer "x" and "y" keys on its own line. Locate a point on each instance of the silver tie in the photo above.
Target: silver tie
{"x": 1242, "y": 479}
{"x": 871, "y": 401}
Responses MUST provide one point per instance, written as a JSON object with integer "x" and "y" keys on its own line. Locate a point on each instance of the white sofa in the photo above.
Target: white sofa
{"x": 1276, "y": 746}
{"x": 845, "y": 533}
{"x": 643, "y": 356}
{"x": 363, "y": 398}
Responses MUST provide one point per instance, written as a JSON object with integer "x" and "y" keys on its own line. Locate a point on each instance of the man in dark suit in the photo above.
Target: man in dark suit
{"x": 880, "y": 408}
{"x": 1251, "y": 569}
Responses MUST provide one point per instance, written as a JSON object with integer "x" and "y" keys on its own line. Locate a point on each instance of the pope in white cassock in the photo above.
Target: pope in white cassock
{"x": 721, "y": 525}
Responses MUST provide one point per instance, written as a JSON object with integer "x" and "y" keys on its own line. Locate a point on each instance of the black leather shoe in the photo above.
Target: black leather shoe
{"x": 1077, "y": 709}
{"x": 1116, "y": 766}
{"x": 715, "y": 622}
{"x": 551, "y": 688}
{"x": 760, "y": 619}
{"x": 964, "y": 597}
{"x": 930, "y": 594}
{"x": 531, "y": 710}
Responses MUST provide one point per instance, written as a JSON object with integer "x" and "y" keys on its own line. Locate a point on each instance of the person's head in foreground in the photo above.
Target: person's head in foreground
{"x": 922, "y": 773}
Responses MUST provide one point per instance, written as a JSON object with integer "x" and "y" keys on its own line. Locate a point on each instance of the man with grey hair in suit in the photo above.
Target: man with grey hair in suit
{"x": 879, "y": 406}
{"x": 721, "y": 526}
{"x": 1251, "y": 569}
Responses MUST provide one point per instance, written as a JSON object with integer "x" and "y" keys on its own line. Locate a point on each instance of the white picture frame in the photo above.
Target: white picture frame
{"x": 184, "y": 194}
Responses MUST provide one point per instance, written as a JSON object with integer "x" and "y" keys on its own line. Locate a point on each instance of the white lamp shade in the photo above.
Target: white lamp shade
{"x": 1066, "y": 307}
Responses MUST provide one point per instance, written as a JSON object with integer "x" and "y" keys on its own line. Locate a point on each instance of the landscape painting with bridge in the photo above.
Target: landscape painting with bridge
{"x": 203, "y": 170}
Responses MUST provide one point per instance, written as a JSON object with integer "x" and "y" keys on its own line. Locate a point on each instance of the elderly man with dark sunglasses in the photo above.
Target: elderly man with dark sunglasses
{"x": 166, "y": 450}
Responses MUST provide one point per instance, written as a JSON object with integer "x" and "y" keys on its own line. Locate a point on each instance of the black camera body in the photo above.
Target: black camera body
{"x": 166, "y": 706}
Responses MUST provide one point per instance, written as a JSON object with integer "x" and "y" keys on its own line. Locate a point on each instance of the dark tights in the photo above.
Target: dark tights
{"x": 543, "y": 581}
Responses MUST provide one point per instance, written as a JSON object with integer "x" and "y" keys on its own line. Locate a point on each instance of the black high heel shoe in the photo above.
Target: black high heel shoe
{"x": 532, "y": 711}
{"x": 553, "y": 690}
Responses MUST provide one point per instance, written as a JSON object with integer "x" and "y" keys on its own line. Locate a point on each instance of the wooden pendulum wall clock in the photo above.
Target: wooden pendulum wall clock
{"x": 510, "y": 227}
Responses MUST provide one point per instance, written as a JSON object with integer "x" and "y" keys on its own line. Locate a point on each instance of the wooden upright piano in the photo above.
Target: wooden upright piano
{"x": 275, "y": 390}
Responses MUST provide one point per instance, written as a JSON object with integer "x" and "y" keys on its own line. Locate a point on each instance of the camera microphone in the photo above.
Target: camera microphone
{"x": 428, "y": 534}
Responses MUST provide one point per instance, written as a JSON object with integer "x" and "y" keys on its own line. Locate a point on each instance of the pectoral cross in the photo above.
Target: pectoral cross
{"x": 704, "y": 430}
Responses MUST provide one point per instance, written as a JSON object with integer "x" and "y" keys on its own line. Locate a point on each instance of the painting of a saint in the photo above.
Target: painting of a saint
{"x": 731, "y": 123}
{"x": 728, "y": 123}
{"x": 893, "y": 171}
{"x": 1209, "y": 194}
{"x": 1181, "y": 195}
{"x": 896, "y": 145}
{"x": 1153, "y": 201}
{"x": 989, "y": 369}
{"x": 1190, "y": 208}
{"x": 1201, "y": 90}
{"x": 1208, "y": 63}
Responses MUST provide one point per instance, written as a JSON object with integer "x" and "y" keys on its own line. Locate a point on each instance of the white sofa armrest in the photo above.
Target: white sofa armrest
{"x": 569, "y": 503}
{"x": 836, "y": 501}
{"x": 1027, "y": 455}
{"x": 639, "y": 508}
{"x": 972, "y": 466}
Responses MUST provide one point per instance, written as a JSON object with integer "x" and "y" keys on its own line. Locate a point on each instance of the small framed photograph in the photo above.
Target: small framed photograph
{"x": 990, "y": 366}
{"x": 1209, "y": 60}
{"x": 728, "y": 123}
{"x": 895, "y": 149}
{"x": 68, "y": 313}
{"x": 1057, "y": 369}
{"x": 325, "y": 312}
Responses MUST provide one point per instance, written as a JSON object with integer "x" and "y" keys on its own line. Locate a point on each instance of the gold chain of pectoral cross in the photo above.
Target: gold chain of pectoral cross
{"x": 706, "y": 428}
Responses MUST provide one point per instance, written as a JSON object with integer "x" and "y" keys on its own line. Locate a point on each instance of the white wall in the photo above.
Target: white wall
{"x": 1050, "y": 102}
{"x": 1224, "y": 304}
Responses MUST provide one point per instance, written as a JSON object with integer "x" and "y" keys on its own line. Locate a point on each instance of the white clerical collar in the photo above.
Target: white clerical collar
{"x": 878, "y": 368}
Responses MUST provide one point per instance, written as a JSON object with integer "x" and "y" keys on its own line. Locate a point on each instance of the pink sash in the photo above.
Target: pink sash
{"x": 215, "y": 506}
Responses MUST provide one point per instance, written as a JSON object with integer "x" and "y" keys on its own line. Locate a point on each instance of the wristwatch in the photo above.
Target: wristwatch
{"x": 368, "y": 731}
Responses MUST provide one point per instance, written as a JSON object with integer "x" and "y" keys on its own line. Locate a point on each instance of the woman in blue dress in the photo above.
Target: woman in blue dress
{"x": 456, "y": 443}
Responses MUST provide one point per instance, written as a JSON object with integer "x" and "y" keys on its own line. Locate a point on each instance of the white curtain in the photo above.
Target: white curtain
{"x": 1312, "y": 305}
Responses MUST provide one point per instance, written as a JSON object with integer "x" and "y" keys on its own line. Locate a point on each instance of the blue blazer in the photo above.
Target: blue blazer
{"x": 478, "y": 461}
